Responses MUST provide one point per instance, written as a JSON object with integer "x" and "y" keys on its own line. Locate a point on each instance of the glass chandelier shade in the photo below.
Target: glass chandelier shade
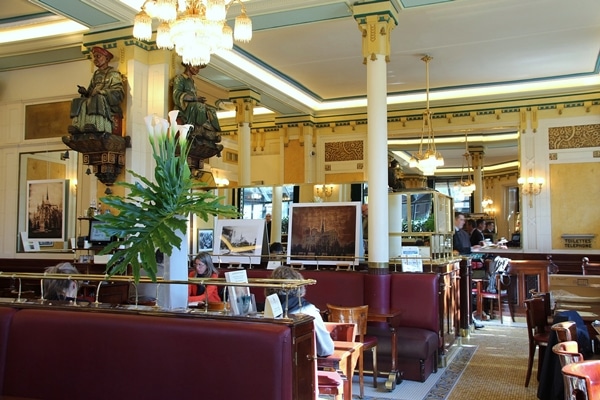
{"x": 194, "y": 28}
{"x": 467, "y": 183}
{"x": 428, "y": 159}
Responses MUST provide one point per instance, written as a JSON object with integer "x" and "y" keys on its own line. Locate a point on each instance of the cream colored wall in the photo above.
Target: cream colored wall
{"x": 286, "y": 156}
{"x": 18, "y": 89}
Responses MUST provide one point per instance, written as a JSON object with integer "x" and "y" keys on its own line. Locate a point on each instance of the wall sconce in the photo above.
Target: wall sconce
{"x": 486, "y": 204}
{"x": 324, "y": 191}
{"x": 531, "y": 187}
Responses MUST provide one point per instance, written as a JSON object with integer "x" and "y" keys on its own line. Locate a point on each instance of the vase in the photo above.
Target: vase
{"x": 175, "y": 296}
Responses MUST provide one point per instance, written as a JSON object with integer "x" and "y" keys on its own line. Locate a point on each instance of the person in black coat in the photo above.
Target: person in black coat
{"x": 461, "y": 241}
{"x": 476, "y": 235}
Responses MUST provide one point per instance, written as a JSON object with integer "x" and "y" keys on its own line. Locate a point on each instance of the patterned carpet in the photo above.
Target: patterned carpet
{"x": 498, "y": 368}
{"x": 436, "y": 387}
{"x": 490, "y": 364}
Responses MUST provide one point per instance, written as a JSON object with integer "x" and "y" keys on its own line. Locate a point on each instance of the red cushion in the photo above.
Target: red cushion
{"x": 329, "y": 378}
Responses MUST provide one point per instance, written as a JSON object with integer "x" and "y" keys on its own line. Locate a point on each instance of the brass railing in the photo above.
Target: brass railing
{"x": 283, "y": 284}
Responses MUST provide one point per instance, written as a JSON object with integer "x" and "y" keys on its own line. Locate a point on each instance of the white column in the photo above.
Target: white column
{"x": 376, "y": 21}
{"x": 244, "y": 153}
{"x": 377, "y": 160}
{"x": 245, "y": 101}
{"x": 276, "y": 215}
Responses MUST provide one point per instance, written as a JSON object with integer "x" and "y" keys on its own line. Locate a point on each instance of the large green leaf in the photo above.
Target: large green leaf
{"x": 148, "y": 217}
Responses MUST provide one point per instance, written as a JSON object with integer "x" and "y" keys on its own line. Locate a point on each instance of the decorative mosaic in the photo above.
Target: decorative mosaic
{"x": 344, "y": 151}
{"x": 574, "y": 137}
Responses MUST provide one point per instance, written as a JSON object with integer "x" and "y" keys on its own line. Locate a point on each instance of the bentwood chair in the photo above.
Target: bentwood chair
{"x": 538, "y": 332}
{"x": 568, "y": 353}
{"x": 358, "y": 315}
{"x": 565, "y": 331}
{"x": 587, "y": 374}
{"x": 499, "y": 297}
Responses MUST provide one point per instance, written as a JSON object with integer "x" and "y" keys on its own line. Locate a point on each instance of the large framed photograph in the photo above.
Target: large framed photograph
{"x": 239, "y": 241}
{"x": 325, "y": 233}
{"x": 46, "y": 210}
{"x": 205, "y": 240}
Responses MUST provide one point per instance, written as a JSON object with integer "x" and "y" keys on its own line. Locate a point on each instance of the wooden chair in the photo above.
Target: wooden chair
{"x": 568, "y": 353}
{"x": 358, "y": 315}
{"x": 331, "y": 382}
{"x": 587, "y": 376}
{"x": 499, "y": 297}
{"x": 565, "y": 331}
{"x": 341, "y": 332}
{"x": 538, "y": 332}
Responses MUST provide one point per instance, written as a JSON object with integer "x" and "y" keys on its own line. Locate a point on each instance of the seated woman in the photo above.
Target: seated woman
{"x": 60, "y": 289}
{"x": 297, "y": 305}
{"x": 203, "y": 268}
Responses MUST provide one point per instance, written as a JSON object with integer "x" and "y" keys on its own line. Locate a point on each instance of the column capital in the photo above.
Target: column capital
{"x": 245, "y": 100}
{"x": 376, "y": 20}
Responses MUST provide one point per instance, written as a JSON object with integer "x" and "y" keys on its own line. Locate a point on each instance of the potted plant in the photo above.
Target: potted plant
{"x": 153, "y": 215}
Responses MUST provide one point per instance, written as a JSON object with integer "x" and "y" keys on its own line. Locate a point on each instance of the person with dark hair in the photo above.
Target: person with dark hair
{"x": 94, "y": 111}
{"x": 477, "y": 238}
{"x": 60, "y": 289}
{"x": 461, "y": 241}
{"x": 203, "y": 268}
{"x": 394, "y": 183}
{"x": 490, "y": 230}
{"x": 293, "y": 300}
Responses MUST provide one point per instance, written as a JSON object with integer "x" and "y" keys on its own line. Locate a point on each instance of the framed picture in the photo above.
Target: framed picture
{"x": 325, "y": 233}
{"x": 239, "y": 241}
{"x": 205, "y": 240}
{"x": 46, "y": 210}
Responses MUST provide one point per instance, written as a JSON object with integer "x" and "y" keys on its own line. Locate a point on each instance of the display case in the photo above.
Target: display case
{"x": 421, "y": 219}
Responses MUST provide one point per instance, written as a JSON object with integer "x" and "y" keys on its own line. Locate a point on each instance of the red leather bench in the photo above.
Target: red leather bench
{"x": 416, "y": 295}
{"x": 60, "y": 354}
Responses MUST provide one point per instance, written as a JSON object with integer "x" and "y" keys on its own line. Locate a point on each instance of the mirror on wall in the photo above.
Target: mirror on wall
{"x": 47, "y": 200}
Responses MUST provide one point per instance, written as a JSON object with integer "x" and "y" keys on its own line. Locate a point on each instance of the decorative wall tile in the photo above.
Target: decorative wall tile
{"x": 553, "y": 156}
{"x": 574, "y": 137}
{"x": 344, "y": 151}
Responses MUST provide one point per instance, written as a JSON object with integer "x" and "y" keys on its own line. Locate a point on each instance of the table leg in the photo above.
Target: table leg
{"x": 394, "y": 377}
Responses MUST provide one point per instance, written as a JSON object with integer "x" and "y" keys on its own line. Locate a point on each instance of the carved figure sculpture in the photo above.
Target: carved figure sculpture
{"x": 94, "y": 111}
{"x": 193, "y": 110}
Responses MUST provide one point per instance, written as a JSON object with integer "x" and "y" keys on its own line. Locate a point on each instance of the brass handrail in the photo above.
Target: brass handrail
{"x": 285, "y": 284}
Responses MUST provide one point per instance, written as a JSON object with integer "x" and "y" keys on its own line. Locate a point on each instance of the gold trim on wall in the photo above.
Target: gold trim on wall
{"x": 47, "y": 120}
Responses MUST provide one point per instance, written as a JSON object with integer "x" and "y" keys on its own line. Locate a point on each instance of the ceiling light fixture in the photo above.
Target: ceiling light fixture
{"x": 467, "y": 183}
{"x": 428, "y": 160}
{"x": 195, "y": 28}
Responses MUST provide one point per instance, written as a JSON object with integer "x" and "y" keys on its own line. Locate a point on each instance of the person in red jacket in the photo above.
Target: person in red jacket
{"x": 203, "y": 268}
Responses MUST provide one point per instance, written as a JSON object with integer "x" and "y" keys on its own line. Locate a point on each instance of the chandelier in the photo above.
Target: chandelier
{"x": 467, "y": 183}
{"x": 194, "y": 28}
{"x": 429, "y": 159}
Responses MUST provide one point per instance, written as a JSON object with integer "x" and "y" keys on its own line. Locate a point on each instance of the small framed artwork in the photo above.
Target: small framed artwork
{"x": 239, "y": 241}
{"x": 46, "y": 210}
{"x": 205, "y": 240}
{"x": 29, "y": 245}
{"x": 325, "y": 233}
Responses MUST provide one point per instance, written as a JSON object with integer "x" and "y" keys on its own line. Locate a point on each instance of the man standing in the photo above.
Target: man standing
{"x": 461, "y": 243}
